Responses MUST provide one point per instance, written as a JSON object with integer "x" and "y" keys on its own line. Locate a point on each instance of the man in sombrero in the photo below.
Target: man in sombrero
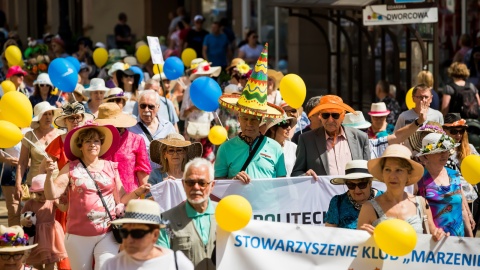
{"x": 250, "y": 155}
{"x": 327, "y": 149}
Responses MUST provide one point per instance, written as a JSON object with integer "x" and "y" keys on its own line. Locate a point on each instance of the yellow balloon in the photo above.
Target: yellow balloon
{"x": 395, "y": 237}
{"x": 143, "y": 54}
{"x": 16, "y": 108}
{"x": 409, "y": 99}
{"x": 233, "y": 213}
{"x": 293, "y": 90}
{"x": 10, "y": 135}
{"x": 100, "y": 57}
{"x": 470, "y": 169}
{"x": 13, "y": 55}
{"x": 188, "y": 55}
{"x": 8, "y": 86}
{"x": 217, "y": 135}
{"x": 54, "y": 91}
{"x": 157, "y": 68}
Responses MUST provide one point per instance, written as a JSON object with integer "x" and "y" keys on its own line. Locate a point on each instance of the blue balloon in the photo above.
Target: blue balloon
{"x": 138, "y": 71}
{"x": 63, "y": 75}
{"x": 205, "y": 93}
{"x": 173, "y": 68}
{"x": 74, "y": 61}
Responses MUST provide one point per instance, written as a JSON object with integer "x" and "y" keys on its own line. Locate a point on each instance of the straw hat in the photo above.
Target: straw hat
{"x": 354, "y": 170}
{"x": 109, "y": 146}
{"x": 40, "y": 109}
{"x": 175, "y": 140}
{"x": 276, "y": 75}
{"x": 253, "y": 99}
{"x": 17, "y": 240}
{"x": 398, "y": 151}
{"x": 356, "y": 121}
{"x": 38, "y": 183}
{"x": 111, "y": 114}
{"x": 43, "y": 78}
{"x": 115, "y": 92}
{"x": 435, "y": 143}
{"x": 96, "y": 84}
{"x": 276, "y": 121}
{"x": 141, "y": 212}
{"x": 378, "y": 109}
{"x": 235, "y": 62}
{"x": 69, "y": 109}
{"x": 331, "y": 102}
{"x": 79, "y": 90}
{"x": 131, "y": 60}
{"x": 454, "y": 120}
{"x": 203, "y": 68}
{"x": 415, "y": 139}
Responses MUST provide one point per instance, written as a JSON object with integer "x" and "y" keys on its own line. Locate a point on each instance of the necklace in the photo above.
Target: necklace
{"x": 357, "y": 205}
{"x": 43, "y": 137}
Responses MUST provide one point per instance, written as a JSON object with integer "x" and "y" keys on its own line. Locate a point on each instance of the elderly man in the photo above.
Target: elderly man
{"x": 326, "y": 150}
{"x": 251, "y": 155}
{"x": 192, "y": 225}
{"x": 149, "y": 125}
{"x": 314, "y": 119}
{"x": 140, "y": 231}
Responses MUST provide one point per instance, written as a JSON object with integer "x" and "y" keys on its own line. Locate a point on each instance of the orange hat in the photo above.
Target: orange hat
{"x": 331, "y": 102}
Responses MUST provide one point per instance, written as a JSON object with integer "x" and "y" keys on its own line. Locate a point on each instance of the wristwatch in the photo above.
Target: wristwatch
{"x": 416, "y": 122}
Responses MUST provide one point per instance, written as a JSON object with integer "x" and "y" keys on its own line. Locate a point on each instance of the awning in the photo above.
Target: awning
{"x": 322, "y": 4}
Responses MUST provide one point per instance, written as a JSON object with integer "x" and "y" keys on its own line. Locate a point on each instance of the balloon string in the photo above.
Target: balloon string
{"x": 220, "y": 121}
{"x": 73, "y": 95}
{"x": 59, "y": 95}
{"x": 36, "y": 147}
{"x": 6, "y": 153}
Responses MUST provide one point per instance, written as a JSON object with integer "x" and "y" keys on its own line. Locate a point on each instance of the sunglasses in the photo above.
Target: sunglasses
{"x": 72, "y": 119}
{"x": 7, "y": 257}
{"x": 116, "y": 100}
{"x": 178, "y": 151}
{"x": 151, "y": 107}
{"x": 128, "y": 76}
{"x": 353, "y": 186}
{"x": 327, "y": 115}
{"x": 460, "y": 131}
{"x": 291, "y": 111}
{"x": 192, "y": 183}
{"x": 135, "y": 234}
{"x": 284, "y": 125}
{"x": 43, "y": 85}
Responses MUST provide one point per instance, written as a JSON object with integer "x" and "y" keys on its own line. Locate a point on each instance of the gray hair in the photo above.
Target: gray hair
{"x": 312, "y": 103}
{"x": 199, "y": 162}
{"x": 150, "y": 92}
{"x": 152, "y": 82}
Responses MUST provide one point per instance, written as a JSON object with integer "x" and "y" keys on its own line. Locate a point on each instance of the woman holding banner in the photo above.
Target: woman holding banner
{"x": 397, "y": 170}
{"x": 344, "y": 209}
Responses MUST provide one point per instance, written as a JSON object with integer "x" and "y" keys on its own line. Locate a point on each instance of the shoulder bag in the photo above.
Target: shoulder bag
{"x": 252, "y": 153}
{"x": 145, "y": 130}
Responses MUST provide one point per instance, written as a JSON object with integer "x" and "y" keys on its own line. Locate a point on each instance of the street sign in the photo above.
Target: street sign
{"x": 388, "y": 15}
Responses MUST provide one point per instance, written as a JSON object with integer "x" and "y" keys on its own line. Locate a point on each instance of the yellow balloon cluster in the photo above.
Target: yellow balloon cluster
{"x": 143, "y": 54}
{"x": 217, "y": 135}
{"x": 10, "y": 135}
{"x": 14, "y": 56}
{"x": 8, "y": 86}
{"x": 470, "y": 169}
{"x": 16, "y": 108}
{"x": 188, "y": 55}
{"x": 100, "y": 57}
{"x": 409, "y": 99}
{"x": 395, "y": 237}
{"x": 233, "y": 213}
{"x": 293, "y": 90}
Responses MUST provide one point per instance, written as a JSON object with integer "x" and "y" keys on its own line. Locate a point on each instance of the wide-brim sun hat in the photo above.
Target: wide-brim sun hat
{"x": 395, "y": 151}
{"x": 378, "y": 109}
{"x": 204, "y": 68}
{"x": 109, "y": 146}
{"x": 79, "y": 90}
{"x": 114, "y": 93}
{"x": 415, "y": 139}
{"x": 69, "y": 109}
{"x": 356, "y": 121}
{"x": 234, "y": 63}
{"x": 40, "y": 109}
{"x": 130, "y": 60}
{"x": 253, "y": 99}
{"x": 15, "y": 70}
{"x": 452, "y": 120}
{"x": 435, "y": 143}
{"x": 140, "y": 211}
{"x": 18, "y": 241}
{"x": 111, "y": 114}
{"x": 38, "y": 183}
{"x": 331, "y": 102}
{"x": 117, "y": 66}
{"x": 354, "y": 170}
{"x": 193, "y": 150}
{"x": 277, "y": 76}
{"x": 276, "y": 121}
{"x": 96, "y": 84}
{"x": 43, "y": 78}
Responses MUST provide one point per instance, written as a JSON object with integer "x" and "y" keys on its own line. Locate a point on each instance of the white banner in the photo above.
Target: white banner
{"x": 268, "y": 245}
{"x": 381, "y": 15}
{"x": 168, "y": 194}
{"x": 155, "y": 50}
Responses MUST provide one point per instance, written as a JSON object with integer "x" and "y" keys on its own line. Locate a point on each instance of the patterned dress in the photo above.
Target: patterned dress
{"x": 445, "y": 202}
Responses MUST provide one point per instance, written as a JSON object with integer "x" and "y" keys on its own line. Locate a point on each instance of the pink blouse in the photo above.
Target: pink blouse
{"x": 131, "y": 157}
{"x": 86, "y": 214}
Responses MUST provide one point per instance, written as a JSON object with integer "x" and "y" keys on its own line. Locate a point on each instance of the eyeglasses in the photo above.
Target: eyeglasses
{"x": 353, "y": 186}
{"x": 151, "y": 107}
{"x": 191, "y": 183}
{"x": 72, "y": 119}
{"x": 422, "y": 97}
{"x": 7, "y": 257}
{"x": 460, "y": 131}
{"x": 327, "y": 115}
{"x": 178, "y": 151}
{"x": 284, "y": 125}
{"x": 135, "y": 234}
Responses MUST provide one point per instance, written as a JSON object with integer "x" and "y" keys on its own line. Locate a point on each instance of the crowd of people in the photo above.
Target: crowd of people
{"x": 77, "y": 188}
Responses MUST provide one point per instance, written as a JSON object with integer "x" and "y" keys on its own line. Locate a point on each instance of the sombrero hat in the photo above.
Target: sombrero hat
{"x": 253, "y": 99}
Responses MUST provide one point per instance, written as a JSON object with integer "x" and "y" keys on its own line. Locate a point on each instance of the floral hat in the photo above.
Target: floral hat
{"x": 454, "y": 120}
{"x": 435, "y": 143}
{"x": 13, "y": 239}
{"x": 200, "y": 66}
{"x": 415, "y": 139}
{"x": 69, "y": 109}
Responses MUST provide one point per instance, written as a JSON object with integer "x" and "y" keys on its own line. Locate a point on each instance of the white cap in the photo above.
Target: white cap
{"x": 198, "y": 18}
{"x": 100, "y": 45}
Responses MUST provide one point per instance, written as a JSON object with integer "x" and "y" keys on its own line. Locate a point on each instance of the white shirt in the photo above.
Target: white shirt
{"x": 289, "y": 152}
{"x": 166, "y": 262}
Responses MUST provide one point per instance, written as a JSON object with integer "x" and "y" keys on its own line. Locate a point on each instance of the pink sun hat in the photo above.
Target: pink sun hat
{"x": 378, "y": 109}
{"x": 38, "y": 183}
{"x": 15, "y": 70}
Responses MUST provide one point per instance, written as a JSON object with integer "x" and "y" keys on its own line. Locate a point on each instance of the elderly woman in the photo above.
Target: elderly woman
{"x": 13, "y": 251}
{"x": 89, "y": 234}
{"x": 172, "y": 153}
{"x": 397, "y": 170}
{"x": 96, "y": 92}
{"x": 344, "y": 209}
{"x": 279, "y": 130}
{"x": 43, "y": 88}
{"x": 441, "y": 186}
{"x": 42, "y": 134}
{"x": 379, "y": 128}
